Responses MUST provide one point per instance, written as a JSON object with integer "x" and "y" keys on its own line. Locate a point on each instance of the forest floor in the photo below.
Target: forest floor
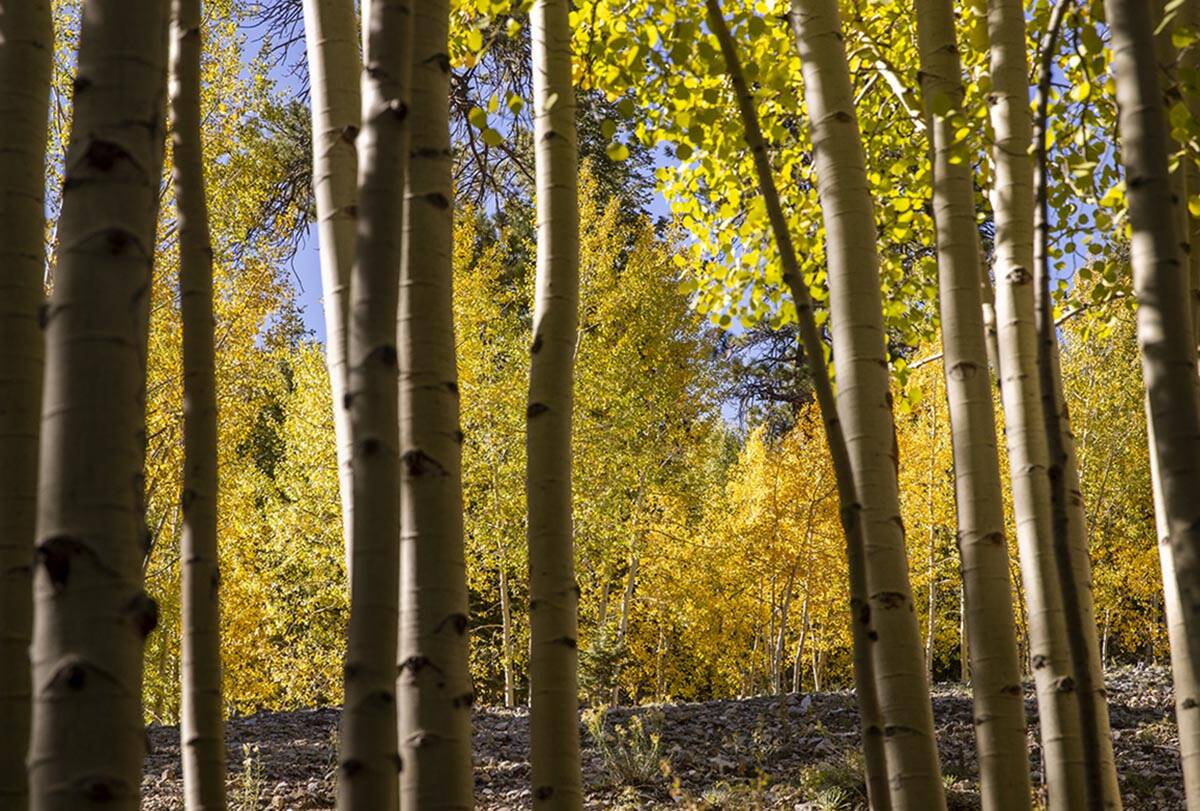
{"x": 789, "y": 752}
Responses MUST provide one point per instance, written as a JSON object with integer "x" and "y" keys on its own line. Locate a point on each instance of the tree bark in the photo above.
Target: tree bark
{"x": 555, "y": 774}
{"x": 334, "y": 64}
{"x": 202, "y": 728}
{"x": 369, "y": 757}
{"x": 1068, "y": 520}
{"x": 434, "y": 683}
{"x": 92, "y": 615}
{"x": 26, "y": 47}
{"x": 1165, "y": 335}
{"x": 995, "y": 666}
{"x": 1022, "y": 395}
{"x": 901, "y": 700}
{"x": 864, "y": 403}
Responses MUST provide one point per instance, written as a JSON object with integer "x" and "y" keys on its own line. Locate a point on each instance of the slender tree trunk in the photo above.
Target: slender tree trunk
{"x": 623, "y": 620}
{"x": 510, "y": 686}
{"x": 92, "y": 615}
{"x": 555, "y": 774}
{"x": 202, "y": 733}
{"x": 964, "y": 647}
{"x": 1165, "y": 334}
{"x": 369, "y": 756}
{"x": 1021, "y": 391}
{"x": 995, "y": 666}
{"x": 1186, "y": 681}
{"x": 864, "y": 403}
{"x": 435, "y": 683}
{"x": 932, "y": 550}
{"x": 1068, "y": 520}
{"x": 26, "y": 46}
{"x": 334, "y": 65}
{"x": 781, "y": 633}
{"x": 899, "y": 697}
{"x": 798, "y": 665}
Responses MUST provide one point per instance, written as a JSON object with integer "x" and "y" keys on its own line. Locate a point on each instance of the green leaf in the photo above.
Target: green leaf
{"x": 478, "y": 117}
{"x": 617, "y": 151}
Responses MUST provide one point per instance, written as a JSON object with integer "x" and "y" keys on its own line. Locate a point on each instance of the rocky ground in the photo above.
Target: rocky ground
{"x": 788, "y": 752}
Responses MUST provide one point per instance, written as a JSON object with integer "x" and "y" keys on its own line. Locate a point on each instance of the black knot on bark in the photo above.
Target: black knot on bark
{"x": 890, "y": 599}
{"x": 459, "y": 436}
{"x": 452, "y": 387}
{"x": 43, "y": 315}
{"x": 465, "y": 700}
{"x": 1065, "y": 684}
{"x": 103, "y": 155}
{"x": 567, "y": 642}
{"x": 74, "y": 676}
{"x": 438, "y": 200}
{"x": 996, "y": 538}
{"x": 1039, "y": 661}
{"x": 536, "y": 346}
{"x": 441, "y": 61}
{"x": 351, "y": 767}
{"x": 536, "y": 409}
{"x": 187, "y": 499}
{"x": 349, "y": 133}
{"x": 419, "y": 463}
{"x": 54, "y": 555}
{"x": 544, "y": 792}
{"x": 386, "y": 354}
{"x": 963, "y": 370}
{"x": 1188, "y": 703}
{"x": 370, "y": 446}
{"x": 1011, "y": 690}
{"x": 81, "y": 84}
{"x": 347, "y": 399}
{"x": 143, "y": 612}
{"x": 398, "y": 109}
{"x": 873, "y": 636}
{"x": 1019, "y": 275}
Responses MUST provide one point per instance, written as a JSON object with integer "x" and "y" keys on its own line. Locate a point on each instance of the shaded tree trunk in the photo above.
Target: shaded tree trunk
{"x": 202, "y": 728}
{"x": 1165, "y": 334}
{"x": 26, "y": 47}
{"x": 434, "y": 686}
{"x": 92, "y": 615}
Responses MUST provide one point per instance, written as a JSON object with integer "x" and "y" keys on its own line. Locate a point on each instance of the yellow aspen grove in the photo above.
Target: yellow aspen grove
{"x": 332, "y": 44}
{"x": 434, "y": 684}
{"x": 909, "y": 774}
{"x": 1020, "y": 388}
{"x": 1068, "y": 520}
{"x": 202, "y": 731}
{"x": 369, "y": 758}
{"x": 555, "y": 775}
{"x": 864, "y": 402}
{"x": 25, "y": 49}
{"x": 91, "y": 613}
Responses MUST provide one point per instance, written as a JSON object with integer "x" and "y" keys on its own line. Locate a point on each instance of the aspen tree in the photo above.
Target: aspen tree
{"x": 1184, "y": 676}
{"x": 864, "y": 401}
{"x": 332, "y": 45}
{"x": 92, "y": 614}
{"x": 369, "y": 775}
{"x": 553, "y": 594}
{"x": 26, "y": 46}
{"x": 1068, "y": 521}
{"x": 202, "y": 733}
{"x": 911, "y": 777}
{"x": 1163, "y": 316}
{"x": 434, "y": 684}
{"x": 1020, "y": 388}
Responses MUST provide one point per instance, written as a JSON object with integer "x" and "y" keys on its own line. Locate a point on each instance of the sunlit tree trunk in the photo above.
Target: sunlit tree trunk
{"x": 890, "y": 682}
{"x": 434, "y": 685}
{"x": 1021, "y": 391}
{"x": 553, "y": 594}
{"x": 1164, "y": 320}
{"x": 995, "y": 666}
{"x": 92, "y": 615}
{"x": 202, "y": 730}
{"x": 332, "y": 45}
{"x": 26, "y": 45}
{"x": 864, "y": 403}
{"x": 369, "y": 757}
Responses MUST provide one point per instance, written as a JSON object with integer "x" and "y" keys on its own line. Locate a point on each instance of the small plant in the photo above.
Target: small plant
{"x": 248, "y": 790}
{"x": 631, "y": 752}
{"x": 838, "y": 781}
